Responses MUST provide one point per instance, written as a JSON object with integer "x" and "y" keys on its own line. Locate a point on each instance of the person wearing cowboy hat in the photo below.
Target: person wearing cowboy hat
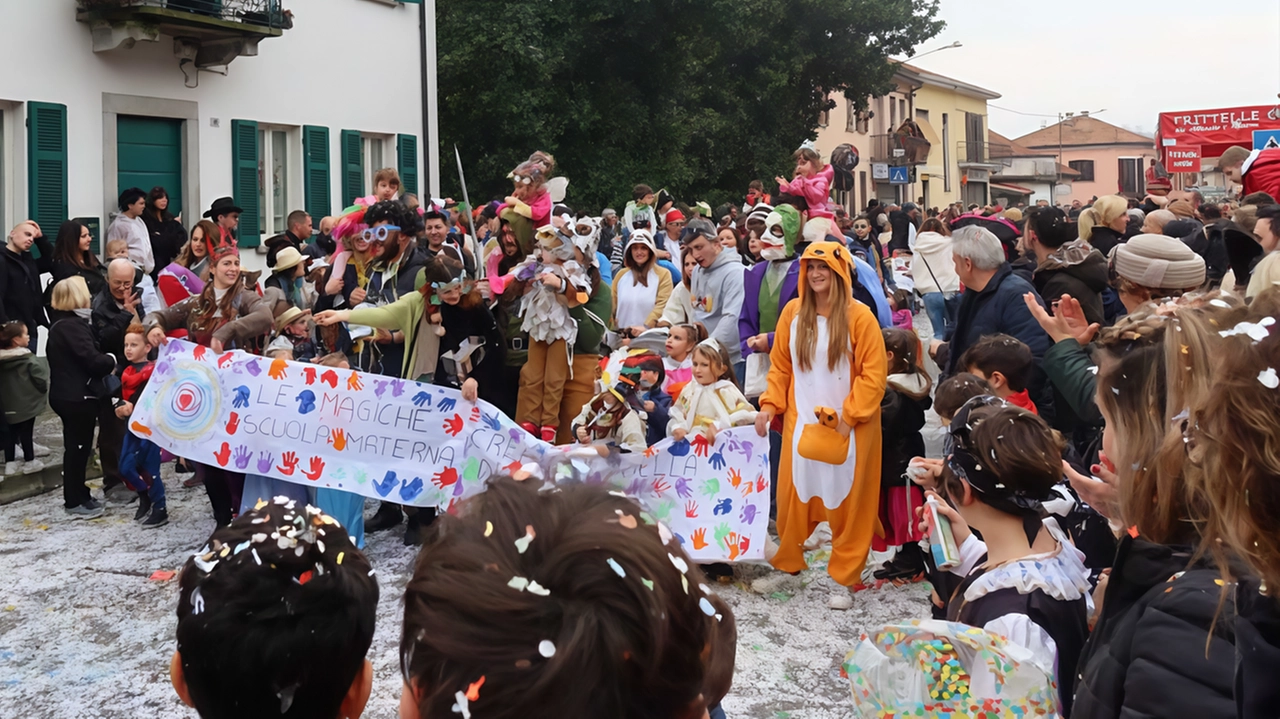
{"x": 224, "y": 214}
{"x": 293, "y": 334}
{"x": 289, "y": 276}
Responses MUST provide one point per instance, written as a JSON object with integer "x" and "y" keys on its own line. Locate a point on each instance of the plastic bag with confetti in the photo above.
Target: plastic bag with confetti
{"x": 927, "y": 669}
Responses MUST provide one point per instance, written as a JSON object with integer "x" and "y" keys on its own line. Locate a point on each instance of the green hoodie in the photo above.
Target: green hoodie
{"x": 24, "y": 380}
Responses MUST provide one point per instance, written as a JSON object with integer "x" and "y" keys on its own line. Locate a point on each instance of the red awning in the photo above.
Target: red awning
{"x": 1015, "y": 189}
{"x": 1213, "y": 131}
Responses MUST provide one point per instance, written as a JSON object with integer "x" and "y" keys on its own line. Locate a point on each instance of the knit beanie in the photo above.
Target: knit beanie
{"x": 1158, "y": 262}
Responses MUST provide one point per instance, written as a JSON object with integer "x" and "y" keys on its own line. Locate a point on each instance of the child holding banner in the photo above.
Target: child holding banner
{"x": 712, "y": 401}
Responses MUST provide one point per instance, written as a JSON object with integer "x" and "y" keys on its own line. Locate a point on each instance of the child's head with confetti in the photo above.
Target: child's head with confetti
{"x": 540, "y": 602}
{"x": 275, "y": 616}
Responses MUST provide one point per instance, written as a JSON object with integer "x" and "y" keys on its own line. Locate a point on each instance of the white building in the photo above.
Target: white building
{"x": 208, "y": 98}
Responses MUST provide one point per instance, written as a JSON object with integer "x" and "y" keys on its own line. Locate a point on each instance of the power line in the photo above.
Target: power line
{"x": 1018, "y": 112}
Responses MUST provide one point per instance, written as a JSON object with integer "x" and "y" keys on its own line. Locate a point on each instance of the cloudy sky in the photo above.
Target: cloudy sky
{"x": 1136, "y": 59}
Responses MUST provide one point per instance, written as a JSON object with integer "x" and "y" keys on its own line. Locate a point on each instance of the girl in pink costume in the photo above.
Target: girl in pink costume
{"x": 812, "y": 181}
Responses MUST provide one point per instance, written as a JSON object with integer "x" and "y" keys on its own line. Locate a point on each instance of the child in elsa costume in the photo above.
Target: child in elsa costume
{"x": 712, "y": 402}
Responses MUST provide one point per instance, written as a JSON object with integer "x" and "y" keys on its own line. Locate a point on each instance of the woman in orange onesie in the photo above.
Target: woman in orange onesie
{"x": 827, "y": 345}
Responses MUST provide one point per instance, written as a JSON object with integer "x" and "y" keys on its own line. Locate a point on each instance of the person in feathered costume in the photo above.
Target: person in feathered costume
{"x": 812, "y": 181}
{"x": 827, "y": 346}
{"x": 558, "y": 283}
{"x": 612, "y": 418}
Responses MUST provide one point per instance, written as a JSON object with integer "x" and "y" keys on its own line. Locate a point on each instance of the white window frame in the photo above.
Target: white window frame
{"x": 293, "y": 193}
{"x": 9, "y": 158}
{"x": 366, "y": 156}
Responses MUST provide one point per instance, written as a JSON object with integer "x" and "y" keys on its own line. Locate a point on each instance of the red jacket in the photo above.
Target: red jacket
{"x": 133, "y": 379}
{"x": 1263, "y": 173}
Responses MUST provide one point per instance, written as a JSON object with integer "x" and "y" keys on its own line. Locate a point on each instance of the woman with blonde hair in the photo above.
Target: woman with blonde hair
{"x": 77, "y": 389}
{"x": 1103, "y": 225}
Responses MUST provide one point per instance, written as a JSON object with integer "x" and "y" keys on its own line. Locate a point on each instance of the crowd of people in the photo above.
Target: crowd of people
{"x": 1107, "y": 379}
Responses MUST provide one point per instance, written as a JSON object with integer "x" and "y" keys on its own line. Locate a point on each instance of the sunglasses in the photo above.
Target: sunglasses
{"x": 379, "y": 234}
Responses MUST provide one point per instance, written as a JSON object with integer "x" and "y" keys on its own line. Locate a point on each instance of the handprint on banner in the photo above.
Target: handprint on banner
{"x": 288, "y": 463}
{"x": 453, "y": 425}
{"x": 679, "y": 448}
{"x": 361, "y": 476}
{"x": 722, "y": 532}
{"x": 380, "y": 387}
{"x": 330, "y": 378}
{"x": 338, "y": 473}
{"x": 242, "y": 457}
{"x": 717, "y": 460}
{"x": 140, "y": 429}
{"x": 233, "y": 423}
{"x": 388, "y": 483}
{"x": 691, "y": 509}
{"x": 735, "y": 477}
{"x": 421, "y": 398}
{"x": 338, "y": 438}
{"x": 746, "y": 488}
{"x": 224, "y": 359}
{"x": 397, "y": 387}
{"x": 745, "y": 544}
{"x": 749, "y": 514}
{"x": 265, "y": 460}
{"x": 223, "y": 455}
{"x": 700, "y": 538}
{"x": 731, "y": 543}
{"x": 446, "y": 404}
{"x": 762, "y": 484}
{"x": 199, "y": 352}
{"x": 409, "y": 491}
{"x": 353, "y": 382}
{"x": 660, "y": 486}
{"x": 710, "y": 487}
{"x": 724, "y": 506}
{"x": 309, "y": 375}
{"x": 445, "y": 477}
{"x": 636, "y": 487}
{"x": 251, "y": 367}
{"x": 242, "y": 397}
{"x": 317, "y": 469}
{"x": 663, "y": 511}
{"x": 277, "y": 368}
{"x": 701, "y": 447}
{"x": 492, "y": 422}
{"x": 475, "y": 414}
{"x": 746, "y": 449}
{"x": 683, "y": 490}
{"x": 306, "y": 400}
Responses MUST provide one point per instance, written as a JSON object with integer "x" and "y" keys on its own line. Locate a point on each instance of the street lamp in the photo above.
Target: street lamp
{"x": 938, "y": 49}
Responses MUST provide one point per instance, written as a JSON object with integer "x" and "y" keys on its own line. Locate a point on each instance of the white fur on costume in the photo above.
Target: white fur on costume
{"x": 546, "y": 311}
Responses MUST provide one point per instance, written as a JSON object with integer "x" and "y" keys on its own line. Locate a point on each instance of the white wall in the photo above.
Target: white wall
{"x": 345, "y": 64}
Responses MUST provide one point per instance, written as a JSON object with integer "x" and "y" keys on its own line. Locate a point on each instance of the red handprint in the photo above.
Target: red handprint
{"x": 198, "y": 352}
{"x": 475, "y": 413}
{"x": 659, "y": 486}
{"x": 453, "y": 425}
{"x": 445, "y": 477}
{"x": 353, "y": 382}
{"x": 744, "y": 544}
{"x": 691, "y": 509}
{"x": 290, "y": 461}
{"x": 223, "y": 454}
{"x": 701, "y": 447}
{"x": 225, "y": 360}
{"x": 700, "y": 538}
{"x": 732, "y": 542}
{"x": 330, "y": 378}
{"x": 233, "y": 424}
{"x": 338, "y": 438}
{"x": 762, "y": 484}
{"x": 317, "y": 469}
{"x": 309, "y": 374}
{"x": 277, "y": 369}
{"x": 512, "y": 468}
{"x": 735, "y": 477}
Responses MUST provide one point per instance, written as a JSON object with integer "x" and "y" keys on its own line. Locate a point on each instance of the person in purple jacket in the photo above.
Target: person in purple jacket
{"x": 768, "y": 286}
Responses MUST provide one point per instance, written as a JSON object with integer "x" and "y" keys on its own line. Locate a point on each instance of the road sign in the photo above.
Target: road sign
{"x": 898, "y": 175}
{"x": 1266, "y": 139}
{"x": 879, "y": 171}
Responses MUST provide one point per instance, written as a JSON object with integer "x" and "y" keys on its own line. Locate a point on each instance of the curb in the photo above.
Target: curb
{"x": 22, "y": 486}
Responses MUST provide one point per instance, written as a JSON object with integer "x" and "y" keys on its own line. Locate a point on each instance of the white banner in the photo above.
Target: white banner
{"x": 423, "y": 445}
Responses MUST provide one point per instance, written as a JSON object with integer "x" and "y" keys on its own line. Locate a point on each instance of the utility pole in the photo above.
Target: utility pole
{"x": 431, "y": 96}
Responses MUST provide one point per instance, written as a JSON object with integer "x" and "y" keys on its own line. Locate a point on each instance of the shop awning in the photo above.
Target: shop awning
{"x": 1015, "y": 189}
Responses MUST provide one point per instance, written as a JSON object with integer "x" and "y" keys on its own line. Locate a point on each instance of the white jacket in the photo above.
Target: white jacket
{"x": 933, "y": 252}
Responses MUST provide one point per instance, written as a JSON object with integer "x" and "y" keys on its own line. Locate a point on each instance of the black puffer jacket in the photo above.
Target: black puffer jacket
{"x": 74, "y": 359}
{"x": 1074, "y": 269}
{"x": 1151, "y": 653}
{"x": 1103, "y": 239}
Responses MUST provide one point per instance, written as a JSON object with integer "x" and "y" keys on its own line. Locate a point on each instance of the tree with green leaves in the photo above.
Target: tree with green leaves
{"x": 697, "y": 96}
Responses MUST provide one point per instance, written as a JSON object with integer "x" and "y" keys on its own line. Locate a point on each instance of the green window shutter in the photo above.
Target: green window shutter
{"x": 352, "y": 167}
{"x": 407, "y": 155}
{"x": 47, "y": 165}
{"x": 244, "y": 179}
{"x": 315, "y": 153}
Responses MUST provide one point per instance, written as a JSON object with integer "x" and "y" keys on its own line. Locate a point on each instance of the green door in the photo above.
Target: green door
{"x": 149, "y": 153}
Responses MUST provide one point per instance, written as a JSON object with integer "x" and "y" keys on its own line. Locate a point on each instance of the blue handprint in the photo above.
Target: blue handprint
{"x": 387, "y": 484}
{"x": 446, "y": 404}
{"x": 264, "y": 462}
{"x": 397, "y": 387}
{"x": 409, "y": 491}
{"x": 306, "y": 401}
{"x": 679, "y": 448}
{"x": 380, "y": 388}
{"x": 421, "y": 398}
{"x": 242, "y": 456}
{"x": 749, "y": 514}
{"x": 717, "y": 460}
{"x": 724, "y": 506}
{"x": 242, "y": 397}
{"x": 683, "y": 490}
{"x": 491, "y": 421}
{"x": 679, "y": 537}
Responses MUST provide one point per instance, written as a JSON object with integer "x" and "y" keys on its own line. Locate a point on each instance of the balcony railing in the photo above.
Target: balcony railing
{"x": 897, "y": 149}
{"x": 992, "y": 154}
{"x": 214, "y": 31}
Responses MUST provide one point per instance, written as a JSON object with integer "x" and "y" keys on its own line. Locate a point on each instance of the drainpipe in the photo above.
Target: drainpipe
{"x": 430, "y": 96}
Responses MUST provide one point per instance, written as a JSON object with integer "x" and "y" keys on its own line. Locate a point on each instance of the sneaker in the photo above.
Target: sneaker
{"x": 840, "y": 600}
{"x": 12, "y": 469}
{"x": 91, "y": 502}
{"x": 158, "y": 518}
{"x": 35, "y": 466}
{"x": 120, "y": 495}
{"x": 84, "y": 511}
{"x": 387, "y": 516}
{"x": 41, "y": 450}
{"x": 549, "y": 434}
{"x": 776, "y": 582}
{"x": 144, "y": 507}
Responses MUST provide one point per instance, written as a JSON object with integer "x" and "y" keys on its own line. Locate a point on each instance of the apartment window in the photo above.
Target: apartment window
{"x": 376, "y": 155}
{"x": 946, "y": 154}
{"x": 893, "y": 114}
{"x": 853, "y": 117}
{"x": 273, "y": 179}
{"x": 1130, "y": 174}
{"x": 1084, "y": 167}
{"x": 975, "y": 137}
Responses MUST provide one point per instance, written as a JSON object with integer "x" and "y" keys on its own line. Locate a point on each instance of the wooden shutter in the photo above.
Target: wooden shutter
{"x": 407, "y": 156}
{"x": 352, "y": 167}
{"x": 244, "y": 179}
{"x": 47, "y": 165}
{"x": 315, "y": 153}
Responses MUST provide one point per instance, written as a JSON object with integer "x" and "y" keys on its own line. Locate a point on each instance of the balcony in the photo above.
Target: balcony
{"x": 209, "y": 33}
{"x": 983, "y": 155}
{"x": 899, "y": 149}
